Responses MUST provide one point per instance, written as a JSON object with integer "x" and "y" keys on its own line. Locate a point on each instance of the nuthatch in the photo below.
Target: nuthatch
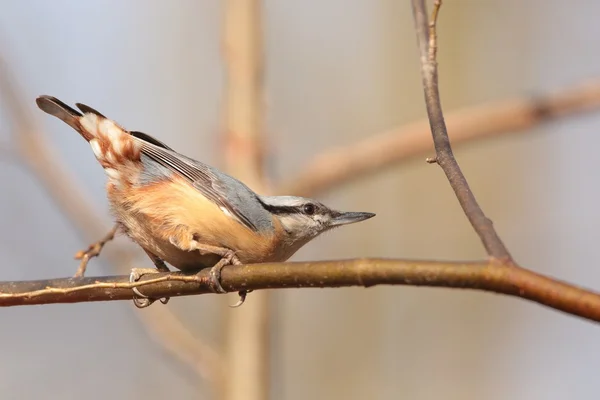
{"x": 187, "y": 213}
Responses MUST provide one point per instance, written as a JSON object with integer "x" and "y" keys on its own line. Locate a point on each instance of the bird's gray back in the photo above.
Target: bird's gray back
{"x": 223, "y": 189}
{"x": 242, "y": 198}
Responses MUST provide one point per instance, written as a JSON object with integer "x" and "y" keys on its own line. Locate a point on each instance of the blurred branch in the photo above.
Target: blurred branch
{"x": 247, "y": 333}
{"x": 244, "y": 106}
{"x": 39, "y": 155}
{"x": 427, "y": 38}
{"x": 485, "y": 276}
{"x": 348, "y": 163}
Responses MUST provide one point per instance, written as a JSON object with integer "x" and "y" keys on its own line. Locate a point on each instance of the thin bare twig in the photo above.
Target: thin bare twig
{"x": 92, "y": 251}
{"x": 445, "y": 158}
{"x": 486, "y": 276}
{"x": 433, "y": 31}
{"x": 501, "y": 262}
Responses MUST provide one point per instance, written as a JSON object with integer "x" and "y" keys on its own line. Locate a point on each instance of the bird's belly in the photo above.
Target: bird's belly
{"x": 145, "y": 234}
{"x": 174, "y": 222}
{"x": 183, "y": 259}
{"x": 152, "y": 237}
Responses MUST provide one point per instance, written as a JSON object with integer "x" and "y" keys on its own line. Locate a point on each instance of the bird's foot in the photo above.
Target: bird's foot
{"x": 227, "y": 258}
{"x": 143, "y": 301}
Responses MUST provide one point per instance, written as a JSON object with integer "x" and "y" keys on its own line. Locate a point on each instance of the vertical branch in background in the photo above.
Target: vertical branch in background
{"x": 247, "y": 340}
{"x": 244, "y": 106}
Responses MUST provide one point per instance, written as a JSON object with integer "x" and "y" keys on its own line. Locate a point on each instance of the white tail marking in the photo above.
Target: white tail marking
{"x": 113, "y": 174}
{"x": 89, "y": 122}
{"x": 96, "y": 149}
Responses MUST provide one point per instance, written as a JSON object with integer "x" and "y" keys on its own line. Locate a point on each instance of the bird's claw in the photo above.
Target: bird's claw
{"x": 215, "y": 277}
{"x": 241, "y": 300}
{"x": 143, "y": 301}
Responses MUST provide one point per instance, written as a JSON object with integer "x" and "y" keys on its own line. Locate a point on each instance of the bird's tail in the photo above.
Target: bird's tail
{"x": 115, "y": 148}
{"x": 60, "y": 110}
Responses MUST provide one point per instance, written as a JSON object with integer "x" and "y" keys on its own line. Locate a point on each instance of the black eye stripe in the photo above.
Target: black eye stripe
{"x": 286, "y": 210}
{"x": 281, "y": 210}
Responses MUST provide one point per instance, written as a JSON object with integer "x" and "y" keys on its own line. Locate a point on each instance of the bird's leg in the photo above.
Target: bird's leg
{"x": 92, "y": 251}
{"x": 193, "y": 243}
{"x": 142, "y": 301}
{"x": 228, "y": 257}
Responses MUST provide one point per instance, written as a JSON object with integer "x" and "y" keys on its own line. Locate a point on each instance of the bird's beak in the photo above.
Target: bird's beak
{"x": 345, "y": 218}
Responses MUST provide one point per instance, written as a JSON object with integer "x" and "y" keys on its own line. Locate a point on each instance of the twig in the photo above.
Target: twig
{"x": 501, "y": 263}
{"x": 333, "y": 168}
{"x": 247, "y": 343}
{"x": 433, "y": 31}
{"x": 445, "y": 158}
{"x": 92, "y": 251}
{"x": 486, "y": 276}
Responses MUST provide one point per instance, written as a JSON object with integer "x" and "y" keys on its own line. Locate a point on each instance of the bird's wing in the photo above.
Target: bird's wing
{"x": 201, "y": 176}
{"x": 147, "y": 138}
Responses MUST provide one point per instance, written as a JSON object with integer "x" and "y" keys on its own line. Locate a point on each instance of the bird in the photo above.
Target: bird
{"x": 189, "y": 214}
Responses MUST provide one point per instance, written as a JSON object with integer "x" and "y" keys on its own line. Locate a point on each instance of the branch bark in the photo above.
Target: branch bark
{"x": 486, "y": 276}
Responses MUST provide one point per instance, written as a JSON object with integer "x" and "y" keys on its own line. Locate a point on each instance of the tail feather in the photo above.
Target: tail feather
{"x": 117, "y": 150}
{"x": 60, "y": 110}
{"x": 87, "y": 109}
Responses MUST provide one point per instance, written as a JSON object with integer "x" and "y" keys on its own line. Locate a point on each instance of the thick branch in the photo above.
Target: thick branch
{"x": 509, "y": 280}
{"x": 445, "y": 158}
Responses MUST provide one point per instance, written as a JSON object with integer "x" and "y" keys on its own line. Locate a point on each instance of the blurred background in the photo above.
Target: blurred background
{"x": 336, "y": 72}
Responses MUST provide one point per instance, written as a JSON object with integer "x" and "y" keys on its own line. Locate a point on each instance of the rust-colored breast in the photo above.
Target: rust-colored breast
{"x": 162, "y": 214}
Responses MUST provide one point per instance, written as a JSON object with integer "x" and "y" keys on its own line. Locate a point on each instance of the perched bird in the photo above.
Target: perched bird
{"x": 187, "y": 213}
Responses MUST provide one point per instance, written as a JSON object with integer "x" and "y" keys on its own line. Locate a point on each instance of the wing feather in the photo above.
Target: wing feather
{"x": 200, "y": 176}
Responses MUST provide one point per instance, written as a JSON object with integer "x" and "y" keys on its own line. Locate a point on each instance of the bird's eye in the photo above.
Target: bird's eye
{"x": 309, "y": 209}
